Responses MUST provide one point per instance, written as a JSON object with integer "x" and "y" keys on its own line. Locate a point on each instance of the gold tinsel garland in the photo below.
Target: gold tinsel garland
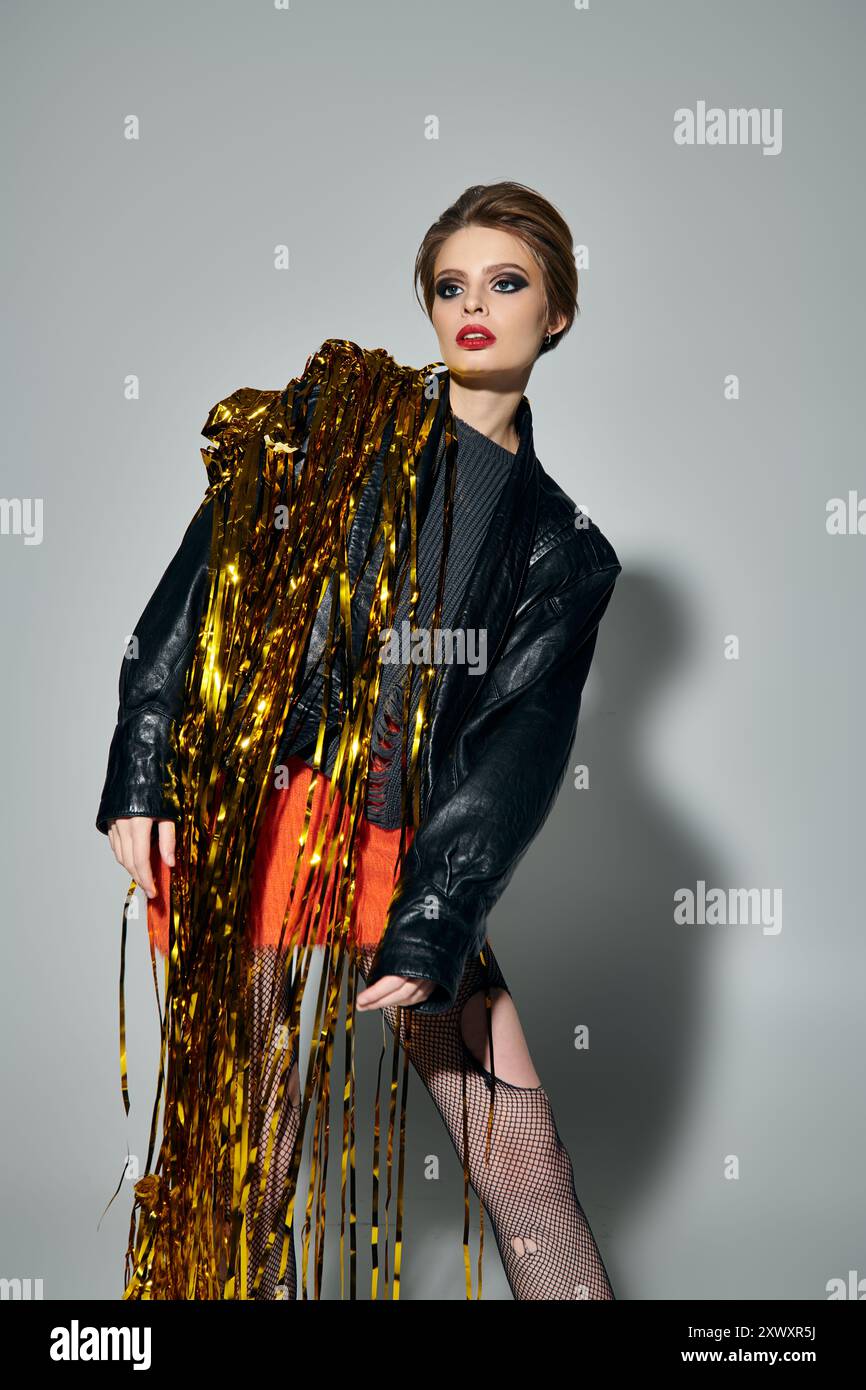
{"x": 280, "y": 533}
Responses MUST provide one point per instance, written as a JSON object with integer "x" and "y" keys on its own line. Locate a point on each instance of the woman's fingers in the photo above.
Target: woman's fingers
{"x": 130, "y": 838}
{"x": 134, "y": 835}
{"x": 166, "y": 841}
{"x": 116, "y": 842}
{"x": 141, "y": 841}
{"x": 122, "y": 845}
{"x": 393, "y": 990}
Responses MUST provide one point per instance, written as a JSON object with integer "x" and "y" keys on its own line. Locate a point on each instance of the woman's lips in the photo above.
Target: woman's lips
{"x": 485, "y": 339}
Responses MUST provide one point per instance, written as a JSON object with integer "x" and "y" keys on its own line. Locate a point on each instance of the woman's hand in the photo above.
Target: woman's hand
{"x": 395, "y": 989}
{"x": 129, "y": 837}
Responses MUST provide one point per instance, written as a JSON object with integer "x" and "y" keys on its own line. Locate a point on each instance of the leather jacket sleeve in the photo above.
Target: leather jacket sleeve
{"x": 152, "y": 681}
{"x": 498, "y": 782}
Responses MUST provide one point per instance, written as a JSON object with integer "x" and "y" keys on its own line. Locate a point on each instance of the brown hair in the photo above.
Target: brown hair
{"x": 513, "y": 208}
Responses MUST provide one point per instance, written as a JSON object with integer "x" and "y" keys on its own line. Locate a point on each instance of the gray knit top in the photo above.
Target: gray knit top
{"x": 482, "y": 468}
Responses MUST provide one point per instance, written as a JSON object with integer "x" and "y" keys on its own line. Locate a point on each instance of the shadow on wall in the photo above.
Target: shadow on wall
{"x": 585, "y": 933}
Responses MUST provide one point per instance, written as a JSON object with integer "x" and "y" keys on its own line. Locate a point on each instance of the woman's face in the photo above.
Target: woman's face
{"x": 487, "y": 279}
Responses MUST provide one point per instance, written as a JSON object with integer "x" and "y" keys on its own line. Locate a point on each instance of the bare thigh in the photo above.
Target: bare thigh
{"x": 511, "y": 1055}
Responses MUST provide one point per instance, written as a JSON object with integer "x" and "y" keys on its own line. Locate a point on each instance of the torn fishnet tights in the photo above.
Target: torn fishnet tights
{"x": 526, "y": 1184}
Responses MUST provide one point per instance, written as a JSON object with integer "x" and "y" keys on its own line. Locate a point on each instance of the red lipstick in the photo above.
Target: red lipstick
{"x": 475, "y": 335}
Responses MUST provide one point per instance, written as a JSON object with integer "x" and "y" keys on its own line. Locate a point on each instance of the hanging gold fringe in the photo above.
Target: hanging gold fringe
{"x": 280, "y": 533}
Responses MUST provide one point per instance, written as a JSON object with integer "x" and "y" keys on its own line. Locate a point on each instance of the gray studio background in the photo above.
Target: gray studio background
{"x": 710, "y": 1044}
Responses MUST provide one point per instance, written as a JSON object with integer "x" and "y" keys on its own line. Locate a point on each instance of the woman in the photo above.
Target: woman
{"x": 389, "y": 793}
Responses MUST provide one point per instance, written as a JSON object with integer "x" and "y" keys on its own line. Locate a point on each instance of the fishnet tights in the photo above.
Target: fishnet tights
{"x": 267, "y": 1000}
{"x": 527, "y": 1187}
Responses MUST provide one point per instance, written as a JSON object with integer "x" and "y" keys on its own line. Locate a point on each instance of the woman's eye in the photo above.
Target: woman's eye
{"x": 516, "y": 281}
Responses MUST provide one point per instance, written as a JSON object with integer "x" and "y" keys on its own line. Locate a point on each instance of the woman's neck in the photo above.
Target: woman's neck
{"x": 490, "y": 412}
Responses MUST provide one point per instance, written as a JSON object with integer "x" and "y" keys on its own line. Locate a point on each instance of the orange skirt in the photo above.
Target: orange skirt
{"x": 270, "y": 889}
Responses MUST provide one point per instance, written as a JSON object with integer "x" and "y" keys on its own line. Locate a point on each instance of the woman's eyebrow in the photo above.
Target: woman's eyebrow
{"x": 487, "y": 270}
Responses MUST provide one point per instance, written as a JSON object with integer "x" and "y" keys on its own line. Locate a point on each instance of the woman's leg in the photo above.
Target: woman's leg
{"x": 269, "y": 997}
{"x": 526, "y": 1183}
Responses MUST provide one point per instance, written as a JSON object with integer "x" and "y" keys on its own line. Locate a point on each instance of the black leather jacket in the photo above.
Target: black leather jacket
{"x": 499, "y": 743}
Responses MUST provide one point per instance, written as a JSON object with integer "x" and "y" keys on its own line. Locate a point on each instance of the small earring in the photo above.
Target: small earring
{"x": 547, "y": 339}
